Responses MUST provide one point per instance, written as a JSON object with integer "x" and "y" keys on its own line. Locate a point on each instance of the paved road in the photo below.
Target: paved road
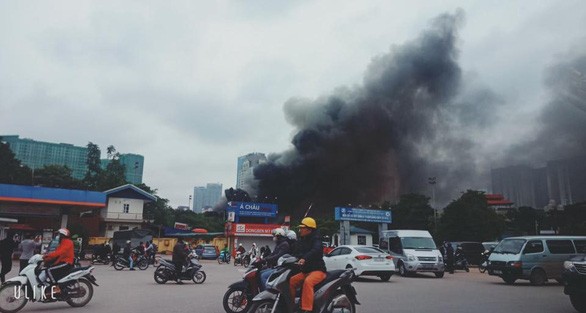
{"x": 126, "y": 291}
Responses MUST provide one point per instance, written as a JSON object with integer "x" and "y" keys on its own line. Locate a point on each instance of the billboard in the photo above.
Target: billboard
{"x": 362, "y": 215}
{"x": 253, "y": 209}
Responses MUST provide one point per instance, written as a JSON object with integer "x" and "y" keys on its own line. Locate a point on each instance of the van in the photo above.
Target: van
{"x": 412, "y": 251}
{"x": 536, "y": 258}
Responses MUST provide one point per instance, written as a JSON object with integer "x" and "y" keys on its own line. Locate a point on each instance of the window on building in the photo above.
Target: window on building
{"x": 361, "y": 240}
{"x": 126, "y": 208}
{"x": 123, "y": 228}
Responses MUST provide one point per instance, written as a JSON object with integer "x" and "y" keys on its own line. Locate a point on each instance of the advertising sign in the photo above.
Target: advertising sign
{"x": 181, "y": 226}
{"x": 253, "y": 209}
{"x": 362, "y": 215}
{"x": 240, "y": 229}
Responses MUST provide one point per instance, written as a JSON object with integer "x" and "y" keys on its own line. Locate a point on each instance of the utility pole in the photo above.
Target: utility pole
{"x": 432, "y": 181}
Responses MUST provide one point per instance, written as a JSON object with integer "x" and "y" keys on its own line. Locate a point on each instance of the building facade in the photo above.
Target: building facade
{"x": 133, "y": 164}
{"x": 246, "y": 164}
{"x": 204, "y": 198}
{"x": 37, "y": 154}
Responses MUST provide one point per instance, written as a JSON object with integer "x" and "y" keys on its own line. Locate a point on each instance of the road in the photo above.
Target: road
{"x": 126, "y": 291}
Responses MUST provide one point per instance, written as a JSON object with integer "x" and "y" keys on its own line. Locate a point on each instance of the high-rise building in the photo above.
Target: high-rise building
{"x": 205, "y": 198}
{"x": 245, "y": 167}
{"x": 561, "y": 181}
{"x": 133, "y": 164}
{"x": 37, "y": 154}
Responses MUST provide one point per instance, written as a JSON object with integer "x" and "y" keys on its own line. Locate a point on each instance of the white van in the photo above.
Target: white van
{"x": 413, "y": 251}
{"x": 536, "y": 258}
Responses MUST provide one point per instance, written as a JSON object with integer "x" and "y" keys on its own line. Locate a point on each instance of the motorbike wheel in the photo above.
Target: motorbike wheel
{"x": 403, "y": 270}
{"x": 219, "y": 260}
{"x": 235, "y": 300}
{"x": 439, "y": 274}
{"x": 263, "y": 306}
{"x": 161, "y": 275}
{"x": 481, "y": 268}
{"x": 578, "y": 302}
{"x": 118, "y": 266}
{"x": 86, "y": 290}
{"x": 199, "y": 277}
{"x": 509, "y": 280}
{"x": 341, "y": 303}
{"x": 143, "y": 264}
{"x": 246, "y": 262}
{"x": 235, "y": 263}
{"x": 8, "y": 302}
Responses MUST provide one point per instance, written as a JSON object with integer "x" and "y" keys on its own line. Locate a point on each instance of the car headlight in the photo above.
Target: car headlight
{"x": 411, "y": 257}
{"x": 440, "y": 259}
{"x": 568, "y": 265}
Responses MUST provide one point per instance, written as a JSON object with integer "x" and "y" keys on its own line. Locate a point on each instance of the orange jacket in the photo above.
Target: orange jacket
{"x": 63, "y": 253}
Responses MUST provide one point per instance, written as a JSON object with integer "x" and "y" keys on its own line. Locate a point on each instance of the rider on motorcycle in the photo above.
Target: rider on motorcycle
{"x": 281, "y": 247}
{"x": 313, "y": 268}
{"x": 60, "y": 260}
{"x": 180, "y": 253}
{"x": 127, "y": 254}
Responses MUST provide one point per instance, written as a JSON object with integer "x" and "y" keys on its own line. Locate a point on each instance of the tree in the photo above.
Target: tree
{"x": 56, "y": 176}
{"x": 470, "y": 219}
{"x": 94, "y": 168}
{"x": 12, "y": 171}
{"x": 413, "y": 212}
{"x": 524, "y": 220}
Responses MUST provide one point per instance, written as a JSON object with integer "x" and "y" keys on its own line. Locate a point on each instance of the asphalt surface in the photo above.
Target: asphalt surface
{"x": 136, "y": 291}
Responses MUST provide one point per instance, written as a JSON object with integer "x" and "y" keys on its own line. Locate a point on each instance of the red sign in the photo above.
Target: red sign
{"x": 181, "y": 226}
{"x": 240, "y": 229}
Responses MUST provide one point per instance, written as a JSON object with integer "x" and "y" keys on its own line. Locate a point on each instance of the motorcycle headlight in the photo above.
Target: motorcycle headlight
{"x": 568, "y": 265}
{"x": 411, "y": 257}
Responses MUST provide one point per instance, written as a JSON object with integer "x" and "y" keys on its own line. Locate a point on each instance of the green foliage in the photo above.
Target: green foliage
{"x": 413, "y": 212}
{"x": 574, "y": 220}
{"x": 469, "y": 219}
{"x": 12, "y": 170}
{"x": 56, "y": 176}
{"x": 91, "y": 179}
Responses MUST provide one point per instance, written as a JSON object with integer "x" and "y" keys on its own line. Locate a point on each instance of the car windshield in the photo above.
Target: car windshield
{"x": 368, "y": 250}
{"x": 512, "y": 246}
{"x": 209, "y": 249}
{"x": 418, "y": 243}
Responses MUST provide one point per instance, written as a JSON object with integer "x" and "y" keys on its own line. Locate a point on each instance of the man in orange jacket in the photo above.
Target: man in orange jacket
{"x": 60, "y": 261}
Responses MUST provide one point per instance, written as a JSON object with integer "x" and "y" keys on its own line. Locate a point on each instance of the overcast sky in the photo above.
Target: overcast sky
{"x": 192, "y": 85}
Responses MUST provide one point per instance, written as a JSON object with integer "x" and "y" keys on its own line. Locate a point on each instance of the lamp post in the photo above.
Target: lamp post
{"x": 432, "y": 182}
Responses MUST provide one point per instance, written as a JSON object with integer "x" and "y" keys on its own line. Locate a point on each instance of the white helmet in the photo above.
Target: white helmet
{"x": 240, "y": 245}
{"x": 254, "y": 244}
{"x": 278, "y": 232}
{"x": 291, "y": 235}
{"x": 64, "y": 232}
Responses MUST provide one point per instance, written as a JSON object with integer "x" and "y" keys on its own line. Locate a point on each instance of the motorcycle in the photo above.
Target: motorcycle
{"x": 101, "y": 259}
{"x": 239, "y": 295}
{"x": 461, "y": 263}
{"x": 483, "y": 261}
{"x": 139, "y": 261}
{"x": 166, "y": 271}
{"x": 224, "y": 257}
{"x": 76, "y": 288}
{"x": 334, "y": 294}
{"x": 242, "y": 259}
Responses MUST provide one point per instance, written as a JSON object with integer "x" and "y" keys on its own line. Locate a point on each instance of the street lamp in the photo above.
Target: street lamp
{"x": 432, "y": 181}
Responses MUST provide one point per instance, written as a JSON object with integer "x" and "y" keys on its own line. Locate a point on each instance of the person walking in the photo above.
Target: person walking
{"x": 28, "y": 248}
{"x": 449, "y": 258}
{"x": 313, "y": 268}
{"x": 7, "y": 246}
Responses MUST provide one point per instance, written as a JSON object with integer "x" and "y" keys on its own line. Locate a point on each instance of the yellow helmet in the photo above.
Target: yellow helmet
{"x": 308, "y": 222}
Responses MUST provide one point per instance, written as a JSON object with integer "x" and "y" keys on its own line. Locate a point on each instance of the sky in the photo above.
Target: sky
{"x": 192, "y": 85}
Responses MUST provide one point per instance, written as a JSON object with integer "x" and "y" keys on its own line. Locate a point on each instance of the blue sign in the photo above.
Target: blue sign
{"x": 362, "y": 215}
{"x": 253, "y": 209}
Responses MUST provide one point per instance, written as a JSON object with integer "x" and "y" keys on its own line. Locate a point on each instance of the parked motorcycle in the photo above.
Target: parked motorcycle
{"x": 224, "y": 257}
{"x": 101, "y": 259}
{"x": 76, "y": 288}
{"x": 166, "y": 271}
{"x": 484, "y": 261}
{"x": 461, "y": 263}
{"x": 334, "y": 294}
{"x": 239, "y": 295}
{"x": 139, "y": 261}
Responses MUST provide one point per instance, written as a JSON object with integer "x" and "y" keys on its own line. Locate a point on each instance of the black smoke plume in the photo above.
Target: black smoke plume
{"x": 371, "y": 143}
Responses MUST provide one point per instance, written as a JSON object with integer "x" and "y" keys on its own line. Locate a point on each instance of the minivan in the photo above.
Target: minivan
{"x": 536, "y": 258}
{"x": 412, "y": 251}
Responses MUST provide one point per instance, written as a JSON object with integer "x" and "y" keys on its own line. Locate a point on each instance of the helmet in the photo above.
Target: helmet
{"x": 64, "y": 232}
{"x": 278, "y": 232}
{"x": 308, "y": 222}
{"x": 240, "y": 245}
{"x": 127, "y": 241}
{"x": 291, "y": 235}
{"x": 254, "y": 244}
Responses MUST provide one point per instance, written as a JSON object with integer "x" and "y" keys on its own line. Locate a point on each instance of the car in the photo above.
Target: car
{"x": 489, "y": 245}
{"x": 574, "y": 278}
{"x": 210, "y": 252}
{"x": 367, "y": 261}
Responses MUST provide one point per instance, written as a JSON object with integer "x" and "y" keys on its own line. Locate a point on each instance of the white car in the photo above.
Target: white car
{"x": 367, "y": 260}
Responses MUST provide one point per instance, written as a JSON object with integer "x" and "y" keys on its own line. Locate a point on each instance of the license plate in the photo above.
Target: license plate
{"x": 426, "y": 265}
{"x": 497, "y": 272}
{"x": 379, "y": 259}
